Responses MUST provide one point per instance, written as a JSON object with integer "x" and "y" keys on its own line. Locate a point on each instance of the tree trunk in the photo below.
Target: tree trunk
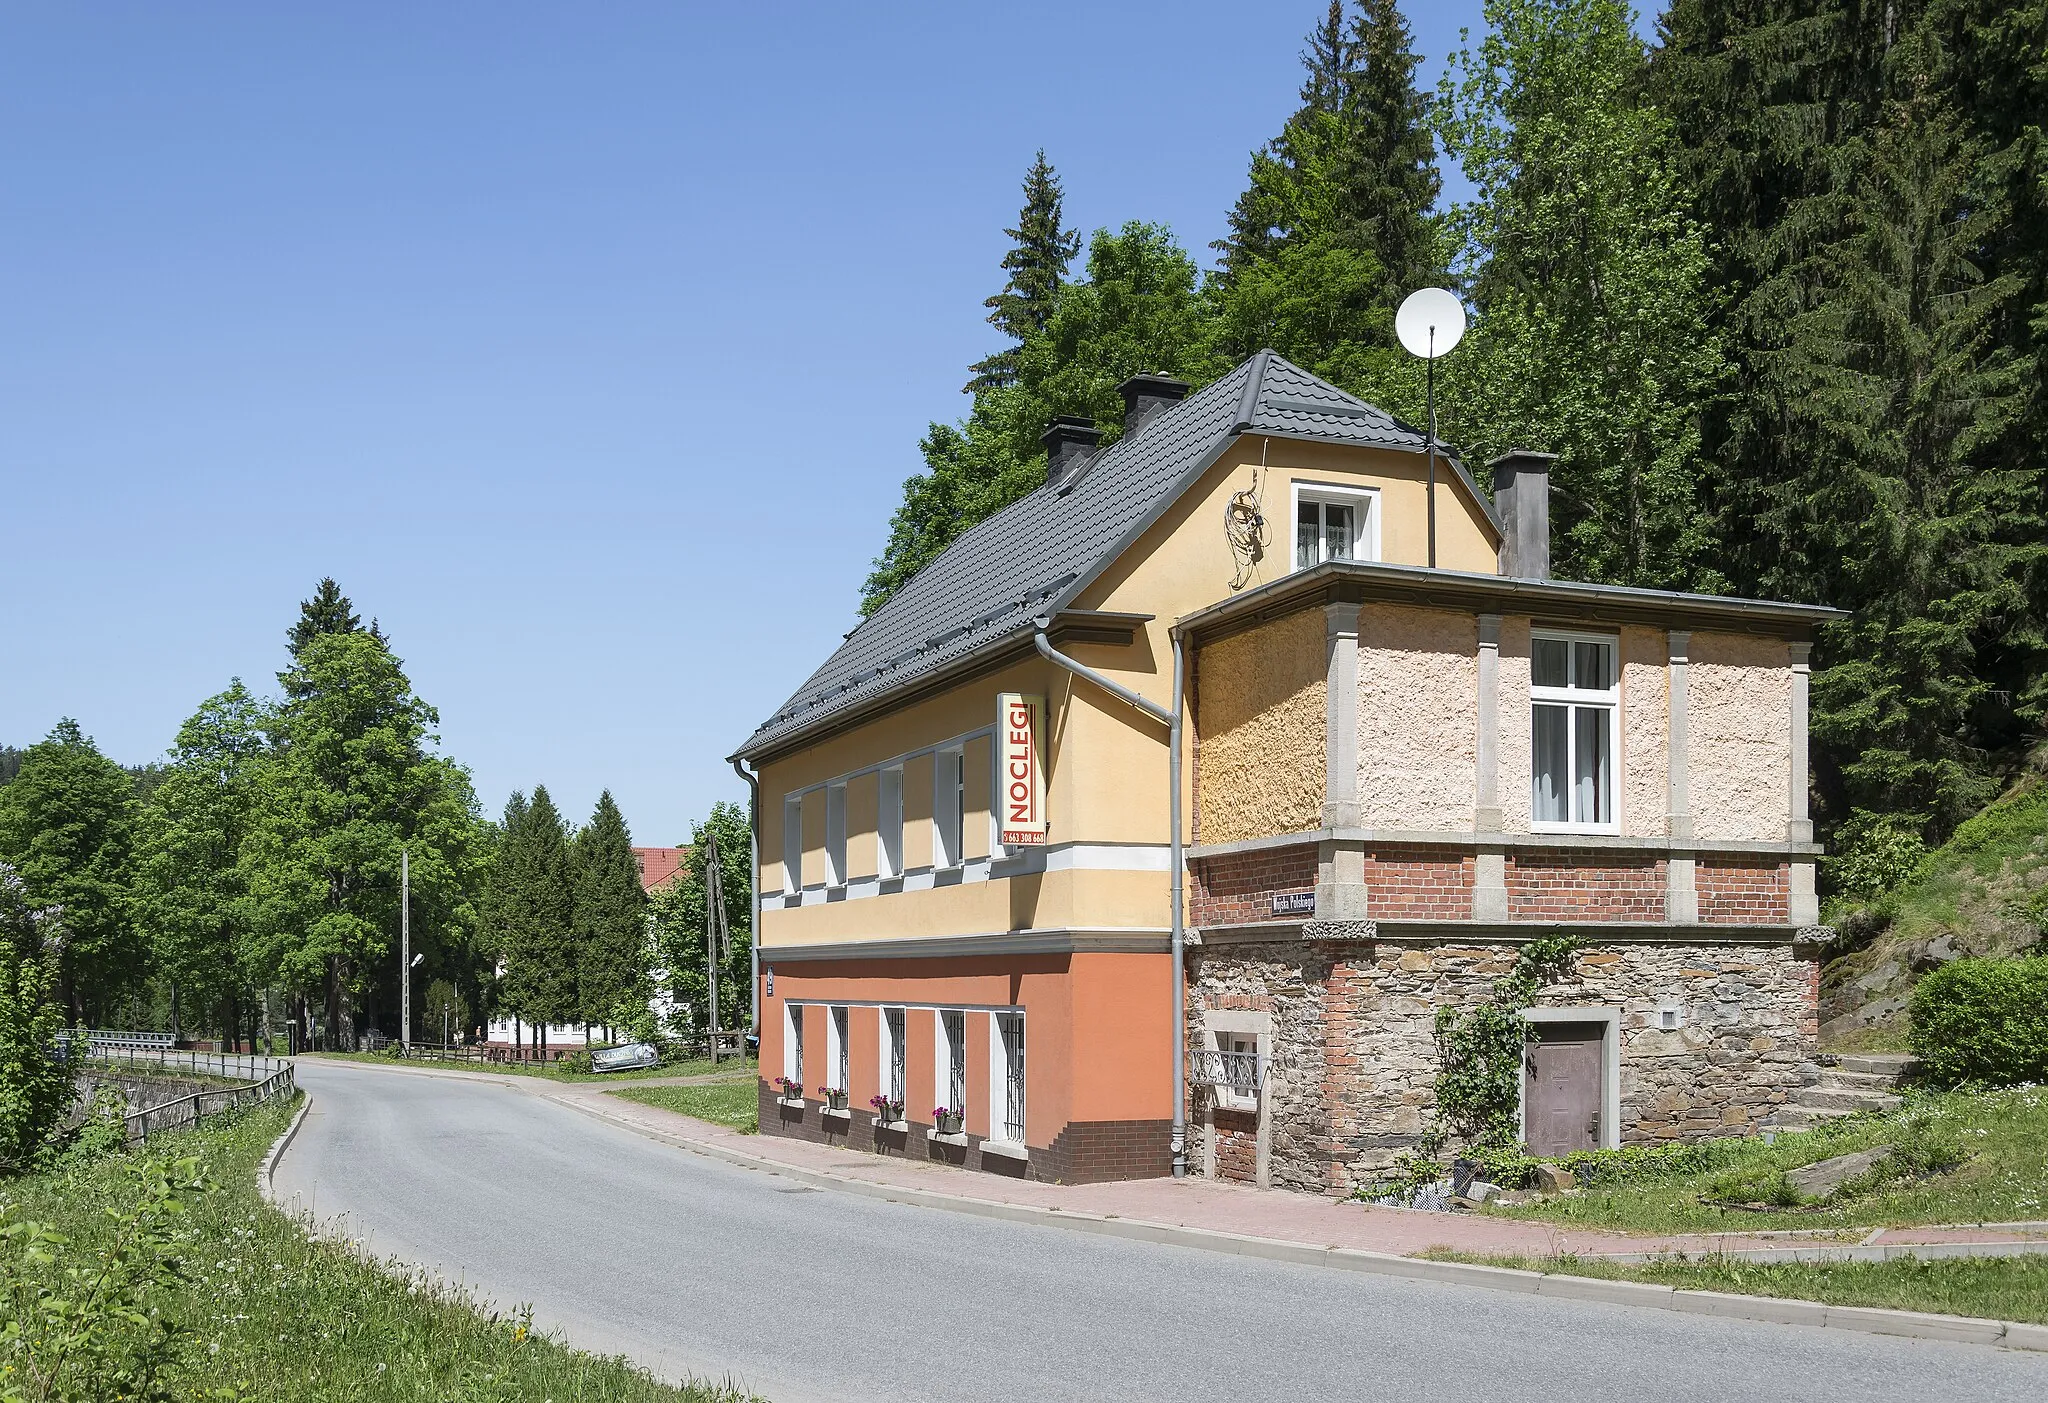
{"x": 174, "y": 1013}
{"x": 263, "y": 1025}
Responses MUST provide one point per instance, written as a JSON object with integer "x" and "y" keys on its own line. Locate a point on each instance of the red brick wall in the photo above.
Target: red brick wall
{"x": 1419, "y": 884}
{"x": 1237, "y": 1146}
{"x": 1239, "y": 887}
{"x": 1584, "y": 884}
{"x": 1739, "y": 892}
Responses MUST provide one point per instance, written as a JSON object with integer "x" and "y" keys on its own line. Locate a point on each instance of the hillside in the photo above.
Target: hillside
{"x": 1984, "y": 892}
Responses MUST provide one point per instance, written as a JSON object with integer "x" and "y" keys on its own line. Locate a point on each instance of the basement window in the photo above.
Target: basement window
{"x": 1575, "y": 702}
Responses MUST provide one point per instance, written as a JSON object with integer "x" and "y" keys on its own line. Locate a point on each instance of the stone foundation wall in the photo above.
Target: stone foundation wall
{"x": 1352, "y": 1065}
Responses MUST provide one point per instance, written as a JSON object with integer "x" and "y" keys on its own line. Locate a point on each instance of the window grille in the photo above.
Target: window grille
{"x": 839, "y": 1077}
{"x": 956, "y": 1059}
{"x": 893, "y": 1019}
{"x": 1011, "y": 1028}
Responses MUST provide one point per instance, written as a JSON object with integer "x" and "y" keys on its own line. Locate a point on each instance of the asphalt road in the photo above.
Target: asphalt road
{"x": 691, "y": 1265}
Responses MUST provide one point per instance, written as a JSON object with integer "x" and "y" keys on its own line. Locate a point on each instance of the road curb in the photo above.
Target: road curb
{"x": 267, "y": 1171}
{"x": 1770, "y": 1310}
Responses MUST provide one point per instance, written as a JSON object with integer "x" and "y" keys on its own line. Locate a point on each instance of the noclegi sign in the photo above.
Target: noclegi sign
{"x": 1020, "y": 779}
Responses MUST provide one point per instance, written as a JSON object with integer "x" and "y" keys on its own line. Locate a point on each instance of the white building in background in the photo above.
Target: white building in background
{"x": 658, "y": 867}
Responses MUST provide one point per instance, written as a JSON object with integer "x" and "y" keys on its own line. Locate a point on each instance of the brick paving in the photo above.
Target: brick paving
{"x": 1211, "y": 1206}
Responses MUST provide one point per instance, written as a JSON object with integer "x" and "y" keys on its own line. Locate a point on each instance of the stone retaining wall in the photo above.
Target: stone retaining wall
{"x": 1352, "y": 1058}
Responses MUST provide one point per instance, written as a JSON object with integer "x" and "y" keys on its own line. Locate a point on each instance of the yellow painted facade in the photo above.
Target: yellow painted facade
{"x": 1105, "y": 763}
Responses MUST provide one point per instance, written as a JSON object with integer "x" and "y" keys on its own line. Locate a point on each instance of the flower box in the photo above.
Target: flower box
{"x": 948, "y": 1122}
{"x": 835, "y": 1097}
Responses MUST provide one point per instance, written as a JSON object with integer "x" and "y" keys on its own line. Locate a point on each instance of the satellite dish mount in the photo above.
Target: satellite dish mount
{"x": 1430, "y": 324}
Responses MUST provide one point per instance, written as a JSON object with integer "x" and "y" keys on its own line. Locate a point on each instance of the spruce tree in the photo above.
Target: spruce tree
{"x": 533, "y": 901}
{"x": 67, "y": 829}
{"x": 1042, "y": 250}
{"x": 328, "y": 611}
{"x": 611, "y": 920}
{"x": 1590, "y": 279}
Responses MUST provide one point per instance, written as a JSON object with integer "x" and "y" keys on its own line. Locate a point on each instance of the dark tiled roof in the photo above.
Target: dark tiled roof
{"x": 1036, "y": 554}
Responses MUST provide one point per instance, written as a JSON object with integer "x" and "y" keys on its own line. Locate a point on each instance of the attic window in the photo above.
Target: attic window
{"x": 1333, "y": 522}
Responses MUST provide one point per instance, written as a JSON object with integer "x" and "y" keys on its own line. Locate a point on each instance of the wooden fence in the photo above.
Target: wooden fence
{"x": 189, "y": 1110}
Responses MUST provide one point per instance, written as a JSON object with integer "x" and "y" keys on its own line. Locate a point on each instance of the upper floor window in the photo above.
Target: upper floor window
{"x": 835, "y": 834}
{"x": 1334, "y": 523}
{"x": 1575, "y": 700}
{"x": 889, "y": 824}
{"x": 949, "y": 807}
{"x": 793, "y": 844}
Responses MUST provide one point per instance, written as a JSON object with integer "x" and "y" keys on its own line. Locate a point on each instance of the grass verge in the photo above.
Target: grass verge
{"x": 732, "y": 1104}
{"x": 264, "y": 1312}
{"x": 550, "y": 1071}
{"x": 2001, "y": 1138}
{"x": 1992, "y": 1288}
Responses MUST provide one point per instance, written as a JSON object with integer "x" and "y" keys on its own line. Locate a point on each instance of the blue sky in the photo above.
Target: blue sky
{"x": 586, "y": 346}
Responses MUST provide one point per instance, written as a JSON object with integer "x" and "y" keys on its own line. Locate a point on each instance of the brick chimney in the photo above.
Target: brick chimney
{"x": 1521, "y": 494}
{"x": 1145, "y": 396}
{"x": 1068, "y": 441}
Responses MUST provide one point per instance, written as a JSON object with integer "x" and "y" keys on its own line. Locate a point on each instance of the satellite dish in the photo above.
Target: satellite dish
{"x": 1431, "y": 321}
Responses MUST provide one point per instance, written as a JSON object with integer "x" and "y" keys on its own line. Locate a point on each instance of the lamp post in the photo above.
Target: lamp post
{"x": 1430, "y": 323}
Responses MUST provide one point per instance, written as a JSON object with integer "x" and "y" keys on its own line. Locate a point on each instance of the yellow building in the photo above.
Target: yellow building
{"x": 1312, "y": 743}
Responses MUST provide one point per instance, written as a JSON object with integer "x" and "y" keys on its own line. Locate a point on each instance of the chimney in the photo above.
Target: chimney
{"x": 1521, "y": 494}
{"x": 1068, "y": 441}
{"x": 1145, "y": 396}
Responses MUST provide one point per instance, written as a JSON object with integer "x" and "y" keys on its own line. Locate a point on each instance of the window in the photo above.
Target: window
{"x": 889, "y": 827}
{"x": 835, "y": 835}
{"x": 949, "y": 805}
{"x": 793, "y": 844}
{"x": 1334, "y": 523}
{"x": 793, "y": 1043}
{"x": 952, "y": 1060}
{"x": 835, "y": 1046}
{"x": 1574, "y": 695}
{"x": 1237, "y": 1085}
{"x": 894, "y": 1056}
{"x": 1009, "y": 1080}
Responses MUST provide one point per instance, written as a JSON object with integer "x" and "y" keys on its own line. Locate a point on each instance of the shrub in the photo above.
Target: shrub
{"x": 1878, "y": 853}
{"x": 35, "y": 1085}
{"x": 1983, "y": 1022}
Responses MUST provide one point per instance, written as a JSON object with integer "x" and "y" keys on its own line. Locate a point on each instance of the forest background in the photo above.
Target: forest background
{"x": 1773, "y": 288}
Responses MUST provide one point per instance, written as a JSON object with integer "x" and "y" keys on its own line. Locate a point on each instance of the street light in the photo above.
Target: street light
{"x": 1430, "y": 323}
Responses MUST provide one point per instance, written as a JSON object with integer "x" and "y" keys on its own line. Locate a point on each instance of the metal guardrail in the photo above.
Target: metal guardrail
{"x": 241, "y": 1066}
{"x": 1240, "y": 1073}
{"x": 189, "y": 1110}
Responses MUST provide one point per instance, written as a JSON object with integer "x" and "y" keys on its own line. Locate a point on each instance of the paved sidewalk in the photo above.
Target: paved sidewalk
{"x": 1207, "y": 1206}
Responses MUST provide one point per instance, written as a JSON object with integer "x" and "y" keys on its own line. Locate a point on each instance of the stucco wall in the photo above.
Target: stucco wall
{"x": 1514, "y": 725}
{"x": 1741, "y": 721}
{"x": 1645, "y": 731}
{"x": 1261, "y": 712}
{"x": 1418, "y": 717}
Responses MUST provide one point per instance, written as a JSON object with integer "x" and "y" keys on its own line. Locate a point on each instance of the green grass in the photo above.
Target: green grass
{"x": 272, "y": 1314}
{"x": 2003, "y": 1136}
{"x": 1994, "y": 1288}
{"x": 551, "y": 1071}
{"x": 734, "y": 1104}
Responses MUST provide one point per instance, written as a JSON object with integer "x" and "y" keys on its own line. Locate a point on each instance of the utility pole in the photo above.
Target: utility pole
{"x": 714, "y": 927}
{"x": 405, "y": 949}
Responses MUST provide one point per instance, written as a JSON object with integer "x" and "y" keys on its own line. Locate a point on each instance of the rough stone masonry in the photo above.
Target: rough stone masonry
{"x": 1351, "y": 1056}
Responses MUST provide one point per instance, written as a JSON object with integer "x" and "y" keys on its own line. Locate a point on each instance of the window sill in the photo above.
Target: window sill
{"x": 795, "y": 1103}
{"x": 831, "y": 1114}
{"x": 901, "y": 1127}
{"x": 1008, "y": 1149}
{"x": 1594, "y": 830}
{"x": 936, "y": 1137}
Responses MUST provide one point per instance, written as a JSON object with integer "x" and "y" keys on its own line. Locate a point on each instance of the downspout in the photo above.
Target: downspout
{"x": 754, "y": 892}
{"x": 1172, "y": 721}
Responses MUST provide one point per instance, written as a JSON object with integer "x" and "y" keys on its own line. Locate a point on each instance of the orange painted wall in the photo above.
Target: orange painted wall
{"x": 864, "y": 1055}
{"x": 1097, "y": 1027}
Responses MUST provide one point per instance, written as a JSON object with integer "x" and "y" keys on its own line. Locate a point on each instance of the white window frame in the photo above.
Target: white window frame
{"x": 999, "y": 1078}
{"x": 793, "y": 1043}
{"x": 889, "y": 823}
{"x": 837, "y": 1072}
{"x": 792, "y": 844}
{"x": 1236, "y": 1040}
{"x": 949, "y": 806}
{"x": 835, "y": 834}
{"x": 1607, "y": 700}
{"x": 893, "y": 1036}
{"x": 1365, "y": 524}
{"x": 942, "y": 1062}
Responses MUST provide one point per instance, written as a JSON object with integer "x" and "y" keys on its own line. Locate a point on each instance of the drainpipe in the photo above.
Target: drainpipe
{"x": 754, "y": 908}
{"x": 1172, "y": 721}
